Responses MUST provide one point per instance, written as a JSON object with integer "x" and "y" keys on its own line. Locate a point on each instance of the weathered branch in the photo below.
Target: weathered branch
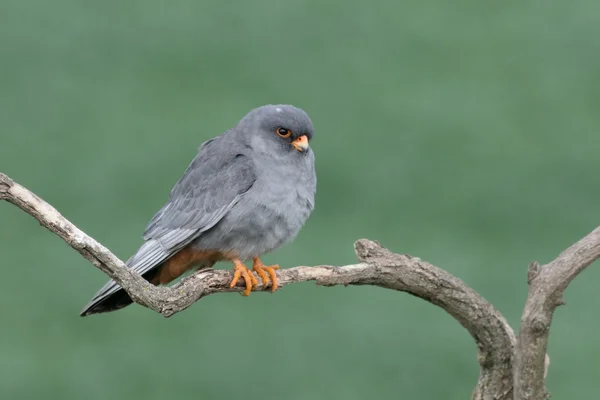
{"x": 546, "y": 287}
{"x": 494, "y": 337}
{"x": 379, "y": 267}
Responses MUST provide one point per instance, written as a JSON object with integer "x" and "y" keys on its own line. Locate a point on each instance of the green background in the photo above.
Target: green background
{"x": 465, "y": 133}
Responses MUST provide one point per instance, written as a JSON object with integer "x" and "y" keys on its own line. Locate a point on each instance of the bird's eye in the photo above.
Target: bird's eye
{"x": 284, "y": 133}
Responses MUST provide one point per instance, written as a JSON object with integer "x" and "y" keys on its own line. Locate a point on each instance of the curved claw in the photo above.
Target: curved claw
{"x": 266, "y": 273}
{"x": 241, "y": 271}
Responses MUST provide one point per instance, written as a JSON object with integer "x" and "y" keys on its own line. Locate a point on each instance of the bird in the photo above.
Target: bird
{"x": 247, "y": 192}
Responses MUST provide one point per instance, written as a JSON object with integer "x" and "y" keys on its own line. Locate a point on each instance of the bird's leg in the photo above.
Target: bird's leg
{"x": 242, "y": 271}
{"x": 267, "y": 274}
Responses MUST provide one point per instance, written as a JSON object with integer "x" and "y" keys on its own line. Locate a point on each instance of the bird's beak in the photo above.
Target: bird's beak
{"x": 301, "y": 143}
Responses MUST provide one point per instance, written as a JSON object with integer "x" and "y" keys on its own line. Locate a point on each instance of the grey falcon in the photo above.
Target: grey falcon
{"x": 247, "y": 192}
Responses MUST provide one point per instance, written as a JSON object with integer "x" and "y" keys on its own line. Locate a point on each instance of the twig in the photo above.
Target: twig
{"x": 546, "y": 287}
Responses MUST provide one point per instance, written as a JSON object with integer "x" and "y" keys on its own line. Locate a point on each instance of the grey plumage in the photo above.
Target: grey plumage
{"x": 247, "y": 192}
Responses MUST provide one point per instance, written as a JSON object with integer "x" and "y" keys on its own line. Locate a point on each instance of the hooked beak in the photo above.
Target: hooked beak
{"x": 301, "y": 143}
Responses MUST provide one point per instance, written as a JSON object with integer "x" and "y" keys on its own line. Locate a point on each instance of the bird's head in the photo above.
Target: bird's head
{"x": 279, "y": 130}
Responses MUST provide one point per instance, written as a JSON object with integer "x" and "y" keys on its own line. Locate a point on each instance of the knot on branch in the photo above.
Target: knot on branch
{"x": 536, "y": 323}
{"x": 533, "y": 271}
{"x": 369, "y": 250}
{"x": 5, "y": 184}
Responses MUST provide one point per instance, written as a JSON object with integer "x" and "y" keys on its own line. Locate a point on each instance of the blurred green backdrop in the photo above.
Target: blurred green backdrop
{"x": 465, "y": 133}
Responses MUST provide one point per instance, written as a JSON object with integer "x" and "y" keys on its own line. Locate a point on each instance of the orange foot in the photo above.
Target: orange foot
{"x": 260, "y": 269}
{"x": 242, "y": 271}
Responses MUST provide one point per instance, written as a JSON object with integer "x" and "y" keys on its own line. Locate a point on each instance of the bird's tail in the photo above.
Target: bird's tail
{"x": 120, "y": 298}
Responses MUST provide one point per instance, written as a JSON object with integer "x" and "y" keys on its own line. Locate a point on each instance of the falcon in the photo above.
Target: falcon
{"x": 247, "y": 192}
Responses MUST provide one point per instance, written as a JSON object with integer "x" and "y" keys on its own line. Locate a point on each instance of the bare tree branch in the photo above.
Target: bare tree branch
{"x": 379, "y": 267}
{"x": 546, "y": 287}
{"x": 494, "y": 337}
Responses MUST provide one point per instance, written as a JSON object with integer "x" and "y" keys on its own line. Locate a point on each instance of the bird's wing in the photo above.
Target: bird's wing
{"x": 211, "y": 185}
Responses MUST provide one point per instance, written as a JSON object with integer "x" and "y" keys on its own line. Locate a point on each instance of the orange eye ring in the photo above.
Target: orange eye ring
{"x": 284, "y": 133}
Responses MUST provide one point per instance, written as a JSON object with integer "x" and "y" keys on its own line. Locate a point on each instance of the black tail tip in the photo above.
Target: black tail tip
{"x": 114, "y": 302}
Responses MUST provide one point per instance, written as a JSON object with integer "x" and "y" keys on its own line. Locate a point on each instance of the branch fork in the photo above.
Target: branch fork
{"x": 511, "y": 367}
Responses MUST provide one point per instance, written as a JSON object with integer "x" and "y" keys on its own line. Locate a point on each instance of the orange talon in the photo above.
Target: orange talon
{"x": 260, "y": 269}
{"x": 242, "y": 271}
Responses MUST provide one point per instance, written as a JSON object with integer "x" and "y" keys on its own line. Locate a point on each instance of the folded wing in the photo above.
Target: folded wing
{"x": 205, "y": 193}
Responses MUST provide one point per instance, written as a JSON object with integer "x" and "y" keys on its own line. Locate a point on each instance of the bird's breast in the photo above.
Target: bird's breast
{"x": 279, "y": 212}
{"x": 267, "y": 216}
